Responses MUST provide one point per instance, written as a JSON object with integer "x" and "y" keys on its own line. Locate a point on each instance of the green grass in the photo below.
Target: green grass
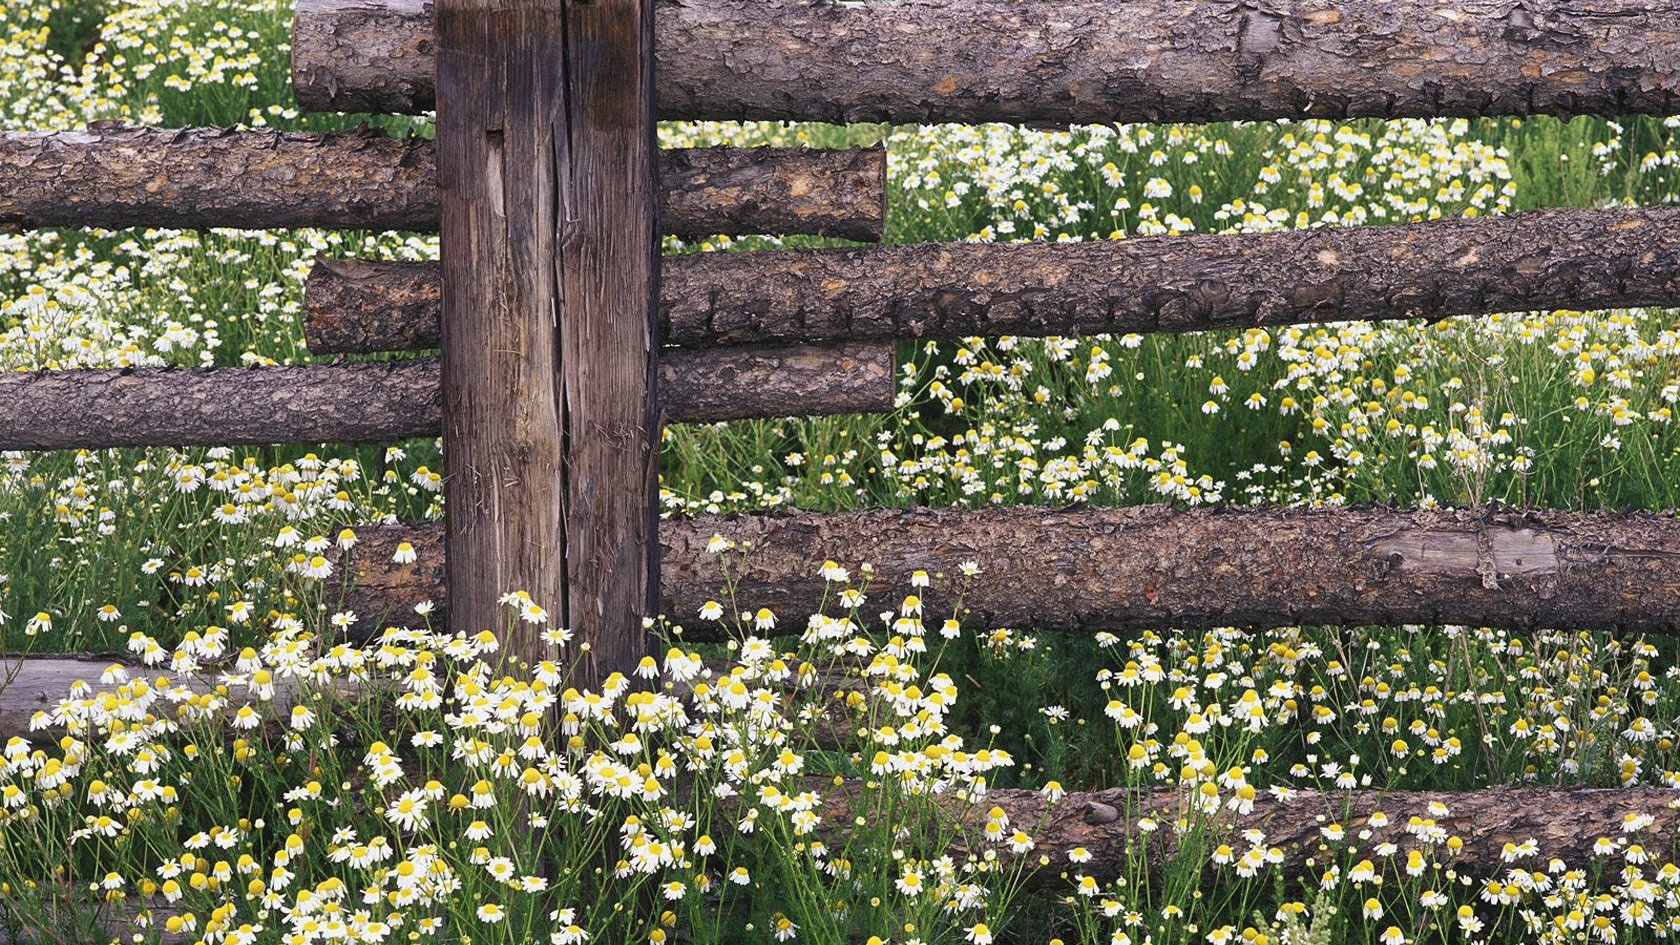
{"x": 1510, "y": 418}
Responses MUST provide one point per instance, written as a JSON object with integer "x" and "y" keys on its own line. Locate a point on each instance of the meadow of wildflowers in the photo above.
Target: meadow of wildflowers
{"x": 259, "y": 766}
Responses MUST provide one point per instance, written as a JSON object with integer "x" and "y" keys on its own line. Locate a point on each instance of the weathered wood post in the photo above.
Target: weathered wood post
{"x": 550, "y": 270}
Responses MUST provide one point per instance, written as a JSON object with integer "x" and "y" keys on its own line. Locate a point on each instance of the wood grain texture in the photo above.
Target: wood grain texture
{"x": 393, "y": 400}
{"x": 1153, "y": 566}
{"x": 550, "y": 261}
{"x": 1536, "y": 260}
{"x": 122, "y": 176}
{"x": 1051, "y": 61}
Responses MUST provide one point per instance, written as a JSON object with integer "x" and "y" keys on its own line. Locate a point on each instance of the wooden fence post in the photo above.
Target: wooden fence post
{"x": 550, "y": 269}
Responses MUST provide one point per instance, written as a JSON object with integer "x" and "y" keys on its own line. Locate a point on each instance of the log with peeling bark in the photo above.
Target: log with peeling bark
{"x": 122, "y": 176}
{"x": 1052, "y": 61}
{"x": 781, "y": 381}
{"x": 1542, "y": 259}
{"x": 1563, "y": 822}
{"x": 839, "y": 192}
{"x": 380, "y": 401}
{"x": 1150, "y": 566}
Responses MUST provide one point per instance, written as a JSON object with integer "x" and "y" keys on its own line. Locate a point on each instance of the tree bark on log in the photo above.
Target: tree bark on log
{"x": 1541, "y": 259}
{"x": 189, "y": 178}
{"x": 1565, "y": 822}
{"x": 370, "y": 401}
{"x": 1047, "y": 61}
{"x": 380, "y": 401}
{"x": 784, "y": 381}
{"x": 1149, "y": 567}
{"x": 839, "y": 192}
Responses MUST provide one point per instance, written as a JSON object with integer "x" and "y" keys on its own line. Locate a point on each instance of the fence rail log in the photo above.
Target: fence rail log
{"x": 187, "y": 178}
{"x": 1540, "y": 259}
{"x": 1054, "y": 62}
{"x": 839, "y": 192}
{"x": 370, "y": 401}
{"x": 780, "y": 381}
{"x": 379, "y": 401}
{"x": 1564, "y": 821}
{"x": 1151, "y": 566}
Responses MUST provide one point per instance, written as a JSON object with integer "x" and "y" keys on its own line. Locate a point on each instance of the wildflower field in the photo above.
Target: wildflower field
{"x": 272, "y": 769}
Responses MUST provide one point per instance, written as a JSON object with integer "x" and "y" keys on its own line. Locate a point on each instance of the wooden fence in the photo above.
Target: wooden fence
{"x": 565, "y": 339}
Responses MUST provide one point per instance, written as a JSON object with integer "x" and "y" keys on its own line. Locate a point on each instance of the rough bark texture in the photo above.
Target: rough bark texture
{"x": 795, "y": 380}
{"x": 384, "y": 401}
{"x": 365, "y": 305}
{"x": 550, "y": 260}
{"x": 115, "y": 176}
{"x": 364, "y": 55}
{"x": 1565, "y": 822}
{"x": 1154, "y": 566}
{"x": 1541, "y": 259}
{"x": 119, "y": 176}
{"x": 839, "y": 192}
{"x": 318, "y": 403}
{"x": 1054, "y": 61}
{"x": 383, "y": 593}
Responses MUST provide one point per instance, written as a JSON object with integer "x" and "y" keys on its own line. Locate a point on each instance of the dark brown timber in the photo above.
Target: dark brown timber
{"x": 783, "y": 381}
{"x": 115, "y": 177}
{"x": 1153, "y": 566}
{"x": 839, "y": 192}
{"x": 91, "y": 409}
{"x": 1540, "y": 259}
{"x": 550, "y": 259}
{"x": 1061, "y": 62}
{"x": 383, "y": 401}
